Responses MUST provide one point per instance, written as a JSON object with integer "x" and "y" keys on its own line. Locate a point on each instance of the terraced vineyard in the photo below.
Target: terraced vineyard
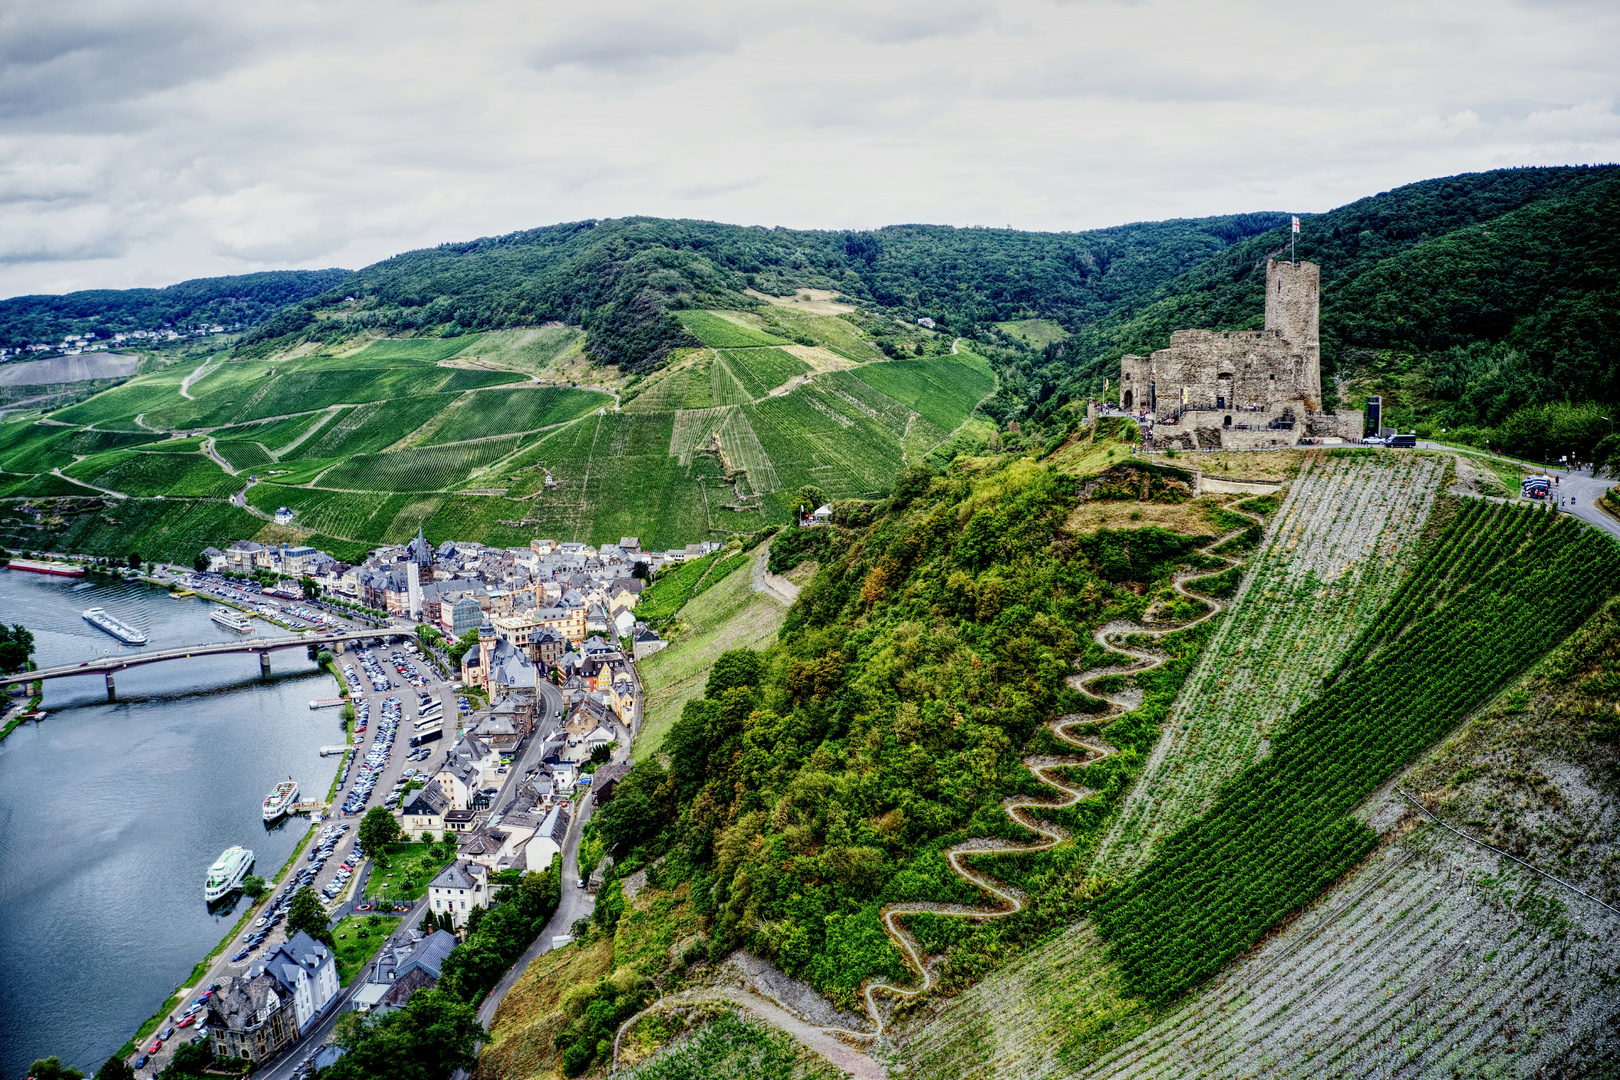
{"x": 368, "y": 441}
{"x": 1334, "y": 557}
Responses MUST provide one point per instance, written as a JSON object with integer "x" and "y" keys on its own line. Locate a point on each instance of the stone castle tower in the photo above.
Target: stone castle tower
{"x": 1242, "y": 389}
{"x": 1293, "y": 311}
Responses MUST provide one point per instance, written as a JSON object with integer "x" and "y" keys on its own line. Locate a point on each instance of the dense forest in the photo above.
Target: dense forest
{"x": 244, "y": 300}
{"x": 621, "y": 278}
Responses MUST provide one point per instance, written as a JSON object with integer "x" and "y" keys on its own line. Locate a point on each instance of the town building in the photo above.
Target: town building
{"x": 459, "y": 887}
{"x": 307, "y": 969}
{"x": 252, "y": 1017}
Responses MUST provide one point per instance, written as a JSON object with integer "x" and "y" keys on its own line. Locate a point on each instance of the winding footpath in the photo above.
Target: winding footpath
{"x": 1023, "y": 809}
{"x": 1008, "y": 900}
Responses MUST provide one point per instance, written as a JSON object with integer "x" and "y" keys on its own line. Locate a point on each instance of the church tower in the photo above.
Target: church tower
{"x": 1293, "y": 309}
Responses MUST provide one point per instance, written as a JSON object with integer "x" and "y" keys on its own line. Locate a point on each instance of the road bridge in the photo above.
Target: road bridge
{"x": 108, "y": 665}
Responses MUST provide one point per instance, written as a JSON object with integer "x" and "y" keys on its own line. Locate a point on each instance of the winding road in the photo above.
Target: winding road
{"x": 1023, "y": 809}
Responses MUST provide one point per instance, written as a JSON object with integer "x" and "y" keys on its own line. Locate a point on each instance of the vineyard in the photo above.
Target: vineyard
{"x": 502, "y": 412}
{"x": 429, "y": 468}
{"x": 1339, "y": 546}
{"x": 718, "y": 332}
{"x": 149, "y": 474}
{"x": 1278, "y": 833}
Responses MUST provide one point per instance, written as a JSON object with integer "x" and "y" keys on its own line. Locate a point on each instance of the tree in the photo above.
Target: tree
{"x": 809, "y": 498}
{"x": 253, "y": 886}
{"x": 189, "y": 1061}
{"x": 430, "y": 1038}
{"x": 378, "y": 829}
{"x": 16, "y": 643}
{"x": 459, "y": 649}
{"x": 51, "y": 1068}
{"x": 640, "y": 570}
{"x": 115, "y": 1069}
{"x": 200, "y": 563}
{"x": 307, "y": 914}
{"x": 312, "y": 591}
{"x": 134, "y": 560}
{"x": 601, "y": 755}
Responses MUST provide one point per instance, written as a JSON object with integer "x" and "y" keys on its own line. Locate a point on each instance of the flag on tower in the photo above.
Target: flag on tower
{"x": 1296, "y": 223}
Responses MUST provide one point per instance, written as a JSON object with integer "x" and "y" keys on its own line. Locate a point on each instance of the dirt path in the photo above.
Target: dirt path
{"x": 185, "y": 383}
{"x": 105, "y": 491}
{"x": 208, "y": 448}
{"x": 775, "y": 586}
{"x": 819, "y": 1039}
{"x": 1023, "y": 809}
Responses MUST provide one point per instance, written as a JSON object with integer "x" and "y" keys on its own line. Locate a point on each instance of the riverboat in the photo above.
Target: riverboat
{"x": 124, "y": 632}
{"x": 60, "y": 569}
{"x": 231, "y": 620}
{"x": 279, "y": 800}
{"x": 227, "y": 872}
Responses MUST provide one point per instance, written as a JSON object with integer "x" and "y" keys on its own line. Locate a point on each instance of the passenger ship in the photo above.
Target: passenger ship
{"x": 277, "y": 802}
{"x": 227, "y": 872}
{"x": 231, "y": 620}
{"x": 121, "y": 630}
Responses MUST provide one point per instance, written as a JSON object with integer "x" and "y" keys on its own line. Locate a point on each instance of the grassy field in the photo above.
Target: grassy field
{"x": 358, "y": 938}
{"x": 411, "y": 867}
{"x": 718, "y": 332}
{"x": 730, "y": 615}
{"x": 1036, "y": 332}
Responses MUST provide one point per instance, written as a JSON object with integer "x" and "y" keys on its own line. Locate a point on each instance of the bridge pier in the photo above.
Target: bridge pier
{"x": 264, "y": 665}
{"x": 112, "y": 690}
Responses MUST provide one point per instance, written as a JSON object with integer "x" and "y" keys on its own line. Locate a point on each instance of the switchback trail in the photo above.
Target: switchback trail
{"x": 1023, "y": 809}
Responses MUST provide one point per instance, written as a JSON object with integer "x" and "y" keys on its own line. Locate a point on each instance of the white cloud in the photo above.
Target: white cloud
{"x": 144, "y": 145}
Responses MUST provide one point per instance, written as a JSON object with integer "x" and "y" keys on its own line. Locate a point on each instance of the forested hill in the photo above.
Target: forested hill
{"x": 621, "y": 278}
{"x": 239, "y": 301}
{"x": 1491, "y": 289}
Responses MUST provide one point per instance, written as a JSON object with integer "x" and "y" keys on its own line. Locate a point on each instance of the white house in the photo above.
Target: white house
{"x": 459, "y": 888}
{"x": 306, "y": 968}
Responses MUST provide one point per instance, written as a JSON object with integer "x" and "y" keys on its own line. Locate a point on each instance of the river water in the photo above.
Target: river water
{"x": 111, "y": 814}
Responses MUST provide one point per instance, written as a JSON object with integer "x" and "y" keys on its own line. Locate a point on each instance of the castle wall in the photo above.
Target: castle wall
{"x": 1251, "y": 371}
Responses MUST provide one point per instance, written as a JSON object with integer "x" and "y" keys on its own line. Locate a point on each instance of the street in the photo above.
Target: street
{"x": 1582, "y": 486}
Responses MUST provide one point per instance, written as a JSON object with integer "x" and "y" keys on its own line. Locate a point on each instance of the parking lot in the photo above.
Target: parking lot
{"x": 389, "y": 703}
{"x": 294, "y": 614}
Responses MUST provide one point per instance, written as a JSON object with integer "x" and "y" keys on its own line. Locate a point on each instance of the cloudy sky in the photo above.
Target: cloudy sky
{"x": 144, "y": 142}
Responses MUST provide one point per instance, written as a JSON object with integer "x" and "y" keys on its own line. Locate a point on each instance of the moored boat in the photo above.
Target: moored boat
{"x": 42, "y": 566}
{"x": 124, "y": 632}
{"x": 281, "y": 799}
{"x": 231, "y": 620}
{"x": 227, "y": 872}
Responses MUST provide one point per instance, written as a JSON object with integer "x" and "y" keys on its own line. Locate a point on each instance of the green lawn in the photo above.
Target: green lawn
{"x": 358, "y": 937}
{"x": 411, "y": 867}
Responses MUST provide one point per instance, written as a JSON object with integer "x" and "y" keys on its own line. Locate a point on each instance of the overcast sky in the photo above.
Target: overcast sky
{"x": 142, "y": 143}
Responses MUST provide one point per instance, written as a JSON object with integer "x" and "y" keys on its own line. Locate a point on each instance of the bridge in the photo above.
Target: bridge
{"x": 108, "y": 665}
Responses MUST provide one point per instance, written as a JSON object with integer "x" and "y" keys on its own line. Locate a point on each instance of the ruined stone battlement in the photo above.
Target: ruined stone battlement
{"x": 1274, "y": 371}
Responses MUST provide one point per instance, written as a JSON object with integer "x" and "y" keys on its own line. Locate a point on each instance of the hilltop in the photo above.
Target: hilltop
{"x": 1058, "y": 768}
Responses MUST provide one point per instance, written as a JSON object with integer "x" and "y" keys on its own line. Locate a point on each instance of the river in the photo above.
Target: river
{"x": 110, "y": 814}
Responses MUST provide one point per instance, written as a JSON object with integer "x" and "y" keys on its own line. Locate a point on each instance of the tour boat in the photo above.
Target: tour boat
{"x": 278, "y": 801}
{"x": 61, "y": 569}
{"x": 122, "y": 631}
{"x": 231, "y": 620}
{"x": 227, "y": 872}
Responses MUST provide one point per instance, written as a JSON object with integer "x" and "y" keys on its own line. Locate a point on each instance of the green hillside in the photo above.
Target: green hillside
{"x": 369, "y": 440}
{"x": 1478, "y": 293}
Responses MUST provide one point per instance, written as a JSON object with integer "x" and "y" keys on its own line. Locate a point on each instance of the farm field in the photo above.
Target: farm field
{"x": 1279, "y": 831}
{"x": 730, "y": 615}
{"x": 719, "y": 332}
{"x": 392, "y": 434}
{"x": 1332, "y": 559}
{"x": 502, "y": 412}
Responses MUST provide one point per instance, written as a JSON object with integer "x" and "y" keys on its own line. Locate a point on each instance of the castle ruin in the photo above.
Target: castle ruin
{"x": 1241, "y": 389}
